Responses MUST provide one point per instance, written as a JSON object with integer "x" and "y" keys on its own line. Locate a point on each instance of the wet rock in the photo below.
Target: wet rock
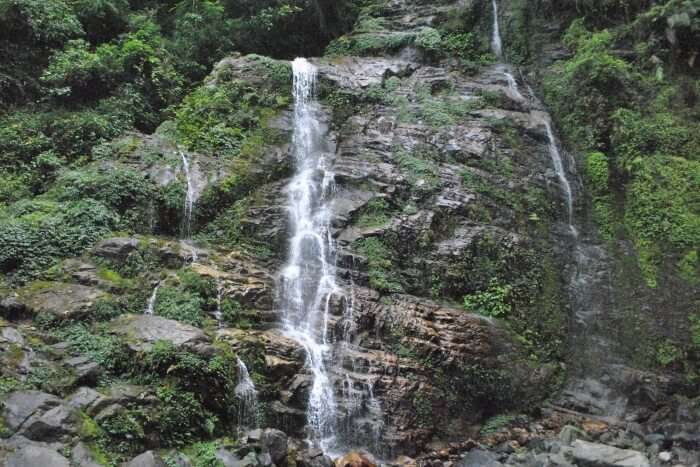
{"x": 355, "y": 459}
{"x": 142, "y": 331}
{"x": 569, "y": 434}
{"x": 52, "y": 425}
{"x": 274, "y": 442}
{"x": 146, "y": 459}
{"x": 35, "y": 456}
{"x": 600, "y": 455}
{"x": 228, "y": 459}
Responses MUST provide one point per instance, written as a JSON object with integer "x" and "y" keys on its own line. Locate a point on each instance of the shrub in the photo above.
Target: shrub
{"x": 494, "y": 301}
{"x": 379, "y": 265}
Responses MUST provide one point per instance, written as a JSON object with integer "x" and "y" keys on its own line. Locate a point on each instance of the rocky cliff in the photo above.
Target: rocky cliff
{"x": 471, "y": 306}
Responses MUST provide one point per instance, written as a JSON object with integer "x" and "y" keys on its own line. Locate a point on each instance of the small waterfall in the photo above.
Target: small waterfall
{"x": 496, "y": 44}
{"x": 308, "y": 278}
{"x": 248, "y": 410}
{"x": 513, "y": 86}
{"x": 561, "y": 172}
{"x": 219, "y": 297}
{"x": 188, "y": 208}
{"x": 150, "y": 307}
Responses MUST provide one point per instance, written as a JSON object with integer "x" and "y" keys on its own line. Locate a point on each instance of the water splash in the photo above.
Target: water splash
{"x": 496, "y": 44}
{"x": 150, "y": 307}
{"x": 248, "y": 407}
{"x": 308, "y": 278}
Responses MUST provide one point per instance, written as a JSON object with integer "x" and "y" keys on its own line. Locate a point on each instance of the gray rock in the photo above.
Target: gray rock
{"x": 569, "y": 434}
{"x": 274, "y": 442}
{"x": 20, "y": 406}
{"x": 67, "y": 301}
{"x": 600, "y": 455}
{"x": 82, "y": 457}
{"x": 36, "y": 456}
{"x": 142, "y": 331}
{"x": 11, "y": 335}
{"x": 117, "y": 248}
{"x": 85, "y": 398}
{"x": 12, "y": 308}
{"x": 147, "y": 459}
{"x": 479, "y": 458}
{"x": 51, "y": 425}
{"x": 86, "y": 371}
{"x": 231, "y": 460}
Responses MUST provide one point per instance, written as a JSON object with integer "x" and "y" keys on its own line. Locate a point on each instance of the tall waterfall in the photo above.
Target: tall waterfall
{"x": 496, "y": 45}
{"x": 307, "y": 281}
{"x": 561, "y": 173}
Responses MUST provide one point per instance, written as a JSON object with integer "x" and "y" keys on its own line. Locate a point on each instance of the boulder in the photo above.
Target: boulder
{"x": 116, "y": 249}
{"x": 19, "y": 406}
{"x": 147, "y": 459}
{"x": 355, "y": 459}
{"x": 274, "y": 442}
{"x": 12, "y": 308}
{"x": 52, "y": 425}
{"x": 480, "y": 458}
{"x": 142, "y": 331}
{"x": 600, "y": 455}
{"x": 63, "y": 300}
{"x": 36, "y": 456}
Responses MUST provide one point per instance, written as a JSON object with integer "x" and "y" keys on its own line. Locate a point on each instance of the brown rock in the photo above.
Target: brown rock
{"x": 355, "y": 459}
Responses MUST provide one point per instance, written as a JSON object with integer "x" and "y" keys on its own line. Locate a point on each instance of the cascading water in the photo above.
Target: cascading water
{"x": 189, "y": 206}
{"x": 248, "y": 413}
{"x": 513, "y": 86}
{"x": 308, "y": 278}
{"x": 496, "y": 44}
{"x": 150, "y": 307}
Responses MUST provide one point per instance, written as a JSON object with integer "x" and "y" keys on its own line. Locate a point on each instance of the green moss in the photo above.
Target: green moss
{"x": 381, "y": 270}
{"x": 689, "y": 267}
{"x": 494, "y": 301}
{"x": 374, "y": 214}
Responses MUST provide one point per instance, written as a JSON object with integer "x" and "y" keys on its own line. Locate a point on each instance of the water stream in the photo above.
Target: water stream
{"x": 150, "y": 307}
{"x": 247, "y": 394}
{"x": 496, "y": 44}
{"x": 188, "y": 208}
{"x": 307, "y": 281}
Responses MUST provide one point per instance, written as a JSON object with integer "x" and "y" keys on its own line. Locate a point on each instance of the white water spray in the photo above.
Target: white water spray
{"x": 150, "y": 308}
{"x": 248, "y": 413}
{"x": 513, "y": 86}
{"x": 189, "y": 207}
{"x": 307, "y": 281}
{"x": 496, "y": 44}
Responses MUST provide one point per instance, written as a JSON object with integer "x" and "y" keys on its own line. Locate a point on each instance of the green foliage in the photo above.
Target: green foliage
{"x": 48, "y": 22}
{"x": 376, "y": 43}
{"x": 180, "y": 417}
{"x": 203, "y": 454}
{"x": 584, "y": 91}
{"x": 495, "y": 423}
{"x": 180, "y": 304}
{"x": 689, "y": 267}
{"x": 598, "y": 176}
{"x": 374, "y": 213}
{"x": 421, "y": 172}
{"x": 428, "y": 39}
{"x": 668, "y": 353}
{"x": 381, "y": 270}
{"x": 494, "y": 301}
{"x": 662, "y": 210}
{"x": 97, "y": 344}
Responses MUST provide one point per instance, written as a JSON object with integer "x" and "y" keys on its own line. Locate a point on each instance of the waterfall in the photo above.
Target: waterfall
{"x": 513, "y": 86}
{"x": 496, "y": 45}
{"x": 307, "y": 280}
{"x": 189, "y": 207}
{"x": 152, "y": 300}
{"x": 219, "y": 296}
{"x": 561, "y": 172}
{"x": 248, "y": 414}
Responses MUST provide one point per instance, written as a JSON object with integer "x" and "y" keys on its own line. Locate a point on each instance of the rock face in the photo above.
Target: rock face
{"x": 62, "y": 300}
{"x": 33, "y": 456}
{"x": 142, "y": 331}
